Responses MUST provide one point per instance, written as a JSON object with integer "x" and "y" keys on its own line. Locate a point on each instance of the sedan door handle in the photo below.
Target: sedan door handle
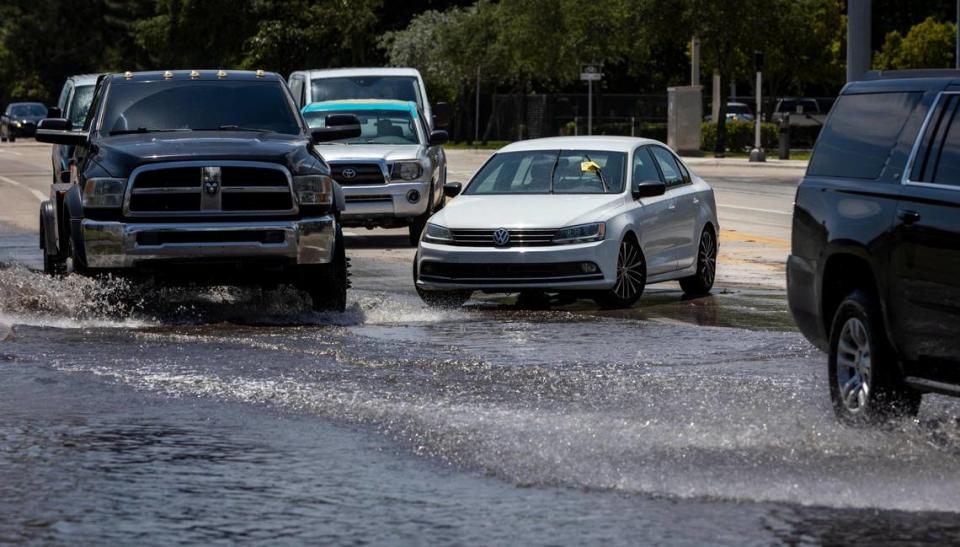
{"x": 908, "y": 217}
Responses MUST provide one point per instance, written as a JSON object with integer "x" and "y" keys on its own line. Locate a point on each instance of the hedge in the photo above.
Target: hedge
{"x": 740, "y": 135}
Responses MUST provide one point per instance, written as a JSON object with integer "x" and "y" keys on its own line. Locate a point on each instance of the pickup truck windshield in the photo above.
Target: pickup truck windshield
{"x": 199, "y": 106}
{"x": 82, "y": 97}
{"x": 376, "y": 126}
{"x": 551, "y": 172}
{"x": 401, "y": 88}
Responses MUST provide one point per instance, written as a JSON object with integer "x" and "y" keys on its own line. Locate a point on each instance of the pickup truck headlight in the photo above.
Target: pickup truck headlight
{"x": 406, "y": 170}
{"x": 313, "y": 189}
{"x": 436, "y": 233}
{"x": 103, "y": 193}
{"x": 582, "y": 233}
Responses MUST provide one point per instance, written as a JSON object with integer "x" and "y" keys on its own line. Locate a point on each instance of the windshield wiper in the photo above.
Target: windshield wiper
{"x": 231, "y": 127}
{"x": 599, "y": 173}
{"x": 142, "y": 130}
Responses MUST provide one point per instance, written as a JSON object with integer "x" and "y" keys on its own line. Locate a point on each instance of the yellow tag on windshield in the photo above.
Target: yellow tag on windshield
{"x": 589, "y": 167}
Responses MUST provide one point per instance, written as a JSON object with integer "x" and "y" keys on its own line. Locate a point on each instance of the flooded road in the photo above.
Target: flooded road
{"x": 135, "y": 415}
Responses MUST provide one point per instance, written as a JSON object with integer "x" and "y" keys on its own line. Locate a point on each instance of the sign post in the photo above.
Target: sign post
{"x": 590, "y": 73}
{"x": 757, "y": 155}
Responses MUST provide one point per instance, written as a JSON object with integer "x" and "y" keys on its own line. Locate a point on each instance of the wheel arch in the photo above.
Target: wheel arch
{"x": 844, "y": 272}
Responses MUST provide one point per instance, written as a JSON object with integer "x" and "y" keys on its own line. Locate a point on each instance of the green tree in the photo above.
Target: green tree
{"x": 929, "y": 44}
{"x": 195, "y": 34}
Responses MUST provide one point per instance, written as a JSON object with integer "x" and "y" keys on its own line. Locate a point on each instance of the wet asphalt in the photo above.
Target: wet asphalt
{"x": 135, "y": 415}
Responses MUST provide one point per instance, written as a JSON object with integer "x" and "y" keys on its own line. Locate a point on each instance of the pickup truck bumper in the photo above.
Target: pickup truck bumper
{"x": 112, "y": 245}
{"x": 394, "y": 200}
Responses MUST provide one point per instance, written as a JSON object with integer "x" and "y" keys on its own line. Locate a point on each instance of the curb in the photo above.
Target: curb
{"x": 777, "y": 164}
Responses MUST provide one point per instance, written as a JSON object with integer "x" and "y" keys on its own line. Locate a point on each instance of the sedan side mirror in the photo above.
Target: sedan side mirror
{"x": 59, "y": 131}
{"x": 452, "y": 189}
{"x": 438, "y": 137}
{"x": 338, "y": 126}
{"x": 649, "y": 189}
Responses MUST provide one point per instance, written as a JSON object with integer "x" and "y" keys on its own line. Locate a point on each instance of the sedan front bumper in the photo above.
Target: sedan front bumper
{"x": 111, "y": 245}
{"x": 559, "y": 267}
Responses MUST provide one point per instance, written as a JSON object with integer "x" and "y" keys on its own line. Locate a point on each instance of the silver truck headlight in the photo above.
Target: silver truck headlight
{"x": 406, "y": 170}
{"x": 581, "y": 233}
{"x": 313, "y": 189}
{"x": 436, "y": 233}
{"x": 103, "y": 193}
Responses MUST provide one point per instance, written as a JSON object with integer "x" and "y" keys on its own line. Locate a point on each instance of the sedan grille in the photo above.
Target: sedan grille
{"x": 214, "y": 190}
{"x": 517, "y": 238}
{"x": 356, "y": 174}
{"x": 509, "y": 274}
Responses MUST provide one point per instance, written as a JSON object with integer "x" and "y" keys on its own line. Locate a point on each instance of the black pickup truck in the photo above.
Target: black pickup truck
{"x": 198, "y": 177}
{"x": 874, "y": 274}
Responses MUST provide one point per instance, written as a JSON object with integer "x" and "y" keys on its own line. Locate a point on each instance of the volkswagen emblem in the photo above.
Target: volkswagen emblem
{"x": 349, "y": 173}
{"x": 501, "y": 237}
{"x": 211, "y": 180}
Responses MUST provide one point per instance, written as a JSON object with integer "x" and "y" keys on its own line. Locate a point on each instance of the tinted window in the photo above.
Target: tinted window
{"x": 551, "y": 172}
{"x": 376, "y": 126}
{"x": 80, "y": 104}
{"x": 668, "y": 165}
{"x": 199, "y": 105}
{"x": 401, "y": 88}
{"x": 860, "y": 134}
{"x": 938, "y": 160}
{"x": 643, "y": 168}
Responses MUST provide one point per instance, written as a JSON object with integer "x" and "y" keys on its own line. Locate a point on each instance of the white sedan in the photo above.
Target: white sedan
{"x": 588, "y": 216}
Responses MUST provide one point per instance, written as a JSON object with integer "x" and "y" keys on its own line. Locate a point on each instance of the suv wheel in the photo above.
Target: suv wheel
{"x": 865, "y": 382}
{"x": 327, "y": 284}
{"x": 700, "y": 283}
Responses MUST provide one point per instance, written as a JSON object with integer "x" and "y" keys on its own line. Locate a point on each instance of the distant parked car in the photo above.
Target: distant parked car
{"x": 393, "y": 173}
{"x": 803, "y": 112}
{"x": 400, "y": 84}
{"x": 74, "y": 102}
{"x": 874, "y": 275}
{"x": 599, "y": 217}
{"x": 735, "y": 111}
{"x": 20, "y": 120}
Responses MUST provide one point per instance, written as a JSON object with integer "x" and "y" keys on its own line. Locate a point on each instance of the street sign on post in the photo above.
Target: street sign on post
{"x": 590, "y": 73}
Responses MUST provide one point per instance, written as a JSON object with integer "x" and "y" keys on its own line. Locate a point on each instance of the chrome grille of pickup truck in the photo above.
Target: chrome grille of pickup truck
{"x": 518, "y": 238}
{"x": 192, "y": 188}
{"x": 355, "y": 174}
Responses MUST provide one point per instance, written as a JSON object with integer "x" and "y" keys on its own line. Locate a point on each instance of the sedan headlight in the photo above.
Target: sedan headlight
{"x": 313, "y": 189}
{"x": 436, "y": 233}
{"x": 582, "y": 233}
{"x": 17, "y": 124}
{"x": 104, "y": 193}
{"x": 406, "y": 170}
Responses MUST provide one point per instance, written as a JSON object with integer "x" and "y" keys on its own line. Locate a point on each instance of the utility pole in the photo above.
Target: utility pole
{"x": 590, "y": 73}
{"x": 695, "y": 59}
{"x": 757, "y": 155}
{"x": 476, "y": 111}
{"x": 858, "y": 38}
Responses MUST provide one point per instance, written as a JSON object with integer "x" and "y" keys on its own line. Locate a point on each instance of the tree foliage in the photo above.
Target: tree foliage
{"x": 929, "y": 44}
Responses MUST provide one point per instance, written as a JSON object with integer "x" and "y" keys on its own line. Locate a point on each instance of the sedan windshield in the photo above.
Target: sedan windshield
{"x": 551, "y": 172}
{"x": 33, "y": 110}
{"x": 199, "y": 105}
{"x": 376, "y": 126}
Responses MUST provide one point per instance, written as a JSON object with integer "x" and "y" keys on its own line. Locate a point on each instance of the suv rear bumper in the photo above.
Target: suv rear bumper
{"x": 803, "y": 297}
{"x": 113, "y": 245}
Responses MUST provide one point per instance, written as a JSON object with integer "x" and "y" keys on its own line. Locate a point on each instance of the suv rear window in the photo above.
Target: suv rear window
{"x": 860, "y": 134}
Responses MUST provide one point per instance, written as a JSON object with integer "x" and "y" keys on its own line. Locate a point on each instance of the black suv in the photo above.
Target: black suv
{"x": 198, "y": 176}
{"x": 874, "y": 275}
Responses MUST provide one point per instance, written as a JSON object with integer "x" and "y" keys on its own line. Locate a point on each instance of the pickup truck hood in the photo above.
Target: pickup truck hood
{"x": 121, "y": 154}
{"x": 530, "y": 211}
{"x": 366, "y": 152}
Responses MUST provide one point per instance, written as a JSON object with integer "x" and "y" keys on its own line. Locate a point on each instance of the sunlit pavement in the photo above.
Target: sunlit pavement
{"x": 227, "y": 415}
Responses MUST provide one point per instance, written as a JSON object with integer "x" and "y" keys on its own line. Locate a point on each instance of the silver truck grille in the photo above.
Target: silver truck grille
{"x": 209, "y": 188}
{"x": 518, "y": 238}
{"x": 357, "y": 174}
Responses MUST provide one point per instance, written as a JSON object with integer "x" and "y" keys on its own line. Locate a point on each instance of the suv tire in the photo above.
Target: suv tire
{"x": 865, "y": 382}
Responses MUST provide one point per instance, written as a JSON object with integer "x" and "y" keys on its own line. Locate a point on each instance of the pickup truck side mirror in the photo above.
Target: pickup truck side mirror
{"x": 59, "y": 131}
{"x": 649, "y": 189}
{"x": 452, "y": 189}
{"x": 338, "y": 126}
{"x": 438, "y": 137}
{"x": 441, "y": 115}
{"x": 54, "y": 112}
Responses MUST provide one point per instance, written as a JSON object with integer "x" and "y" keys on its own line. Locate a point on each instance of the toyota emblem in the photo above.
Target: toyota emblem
{"x": 349, "y": 173}
{"x": 501, "y": 237}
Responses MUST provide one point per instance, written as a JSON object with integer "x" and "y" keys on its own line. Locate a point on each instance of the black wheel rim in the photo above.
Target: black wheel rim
{"x": 630, "y": 272}
{"x": 707, "y": 258}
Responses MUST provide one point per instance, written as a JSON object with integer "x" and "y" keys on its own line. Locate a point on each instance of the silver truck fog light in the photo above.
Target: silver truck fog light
{"x": 413, "y": 196}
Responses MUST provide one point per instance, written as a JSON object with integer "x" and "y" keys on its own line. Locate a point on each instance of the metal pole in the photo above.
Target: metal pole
{"x": 695, "y": 60}
{"x": 858, "y": 38}
{"x": 589, "y": 107}
{"x": 476, "y": 121}
{"x": 757, "y": 155}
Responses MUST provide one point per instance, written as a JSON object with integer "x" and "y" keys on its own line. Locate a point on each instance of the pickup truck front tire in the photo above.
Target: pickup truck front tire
{"x": 327, "y": 284}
